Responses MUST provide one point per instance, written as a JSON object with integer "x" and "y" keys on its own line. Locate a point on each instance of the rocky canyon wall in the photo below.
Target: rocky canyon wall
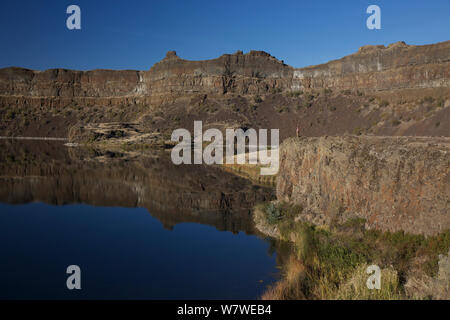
{"x": 69, "y": 83}
{"x": 394, "y": 183}
{"x": 373, "y": 67}
{"x": 382, "y": 68}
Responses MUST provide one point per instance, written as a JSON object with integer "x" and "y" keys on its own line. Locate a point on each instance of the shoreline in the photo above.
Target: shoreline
{"x": 33, "y": 138}
{"x": 329, "y": 262}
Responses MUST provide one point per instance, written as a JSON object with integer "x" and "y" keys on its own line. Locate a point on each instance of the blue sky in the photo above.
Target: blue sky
{"x": 119, "y": 34}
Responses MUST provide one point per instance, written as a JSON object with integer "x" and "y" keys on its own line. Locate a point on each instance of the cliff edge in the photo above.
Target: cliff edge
{"x": 394, "y": 183}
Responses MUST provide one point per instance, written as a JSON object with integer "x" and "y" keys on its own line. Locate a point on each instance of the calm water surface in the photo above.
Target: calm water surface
{"x": 138, "y": 227}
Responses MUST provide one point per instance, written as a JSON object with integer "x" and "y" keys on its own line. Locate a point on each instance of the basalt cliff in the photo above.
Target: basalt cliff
{"x": 395, "y": 90}
{"x": 393, "y": 183}
{"x": 398, "y": 90}
{"x": 397, "y": 66}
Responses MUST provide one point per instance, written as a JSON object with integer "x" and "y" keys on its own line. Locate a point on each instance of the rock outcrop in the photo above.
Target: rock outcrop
{"x": 69, "y": 83}
{"x": 396, "y": 90}
{"x": 394, "y": 183}
{"x": 372, "y": 68}
{"x": 382, "y": 68}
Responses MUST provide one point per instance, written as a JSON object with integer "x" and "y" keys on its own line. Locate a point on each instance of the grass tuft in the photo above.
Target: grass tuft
{"x": 334, "y": 261}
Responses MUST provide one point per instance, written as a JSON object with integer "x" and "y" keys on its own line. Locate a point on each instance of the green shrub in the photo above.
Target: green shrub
{"x": 428, "y": 99}
{"x": 307, "y": 104}
{"x": 273, "y": 213}
{"x": 258, "y": 99}
{"x": 296, "y": 93}
{"x": 276, "y": 90}
{"x": 282, "y": 109}
{"x": 309, "y": 97}
{"x": 357, "y": 131}
{"x": 10, "y": 115}
{"x": 384, "y": 103}
{"x": 346, "y": 92}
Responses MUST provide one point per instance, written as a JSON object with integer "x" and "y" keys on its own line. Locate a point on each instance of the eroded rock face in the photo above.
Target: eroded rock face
{"x": 372, "y": 67}
{"x": 382, "y": 68}
{"x": 251, "y": 73}
{"x": 243, "y": 73}
{"x": 69, "y": 83}
{"x": 394, "y": 90}
{"x": 395, "y": 183}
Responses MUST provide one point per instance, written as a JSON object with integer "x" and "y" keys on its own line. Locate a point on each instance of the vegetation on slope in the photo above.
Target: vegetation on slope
{"x": 331, "y": 263}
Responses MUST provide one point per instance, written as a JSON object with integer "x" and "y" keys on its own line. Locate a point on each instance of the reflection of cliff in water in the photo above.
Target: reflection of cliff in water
{"x": 52, "y": 173}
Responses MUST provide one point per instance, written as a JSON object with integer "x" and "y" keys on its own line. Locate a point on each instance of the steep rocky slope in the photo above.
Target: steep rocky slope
{"x": 394, "y": 183}
{"x": 373, "y": 67}
{"x": 395, "y": 90}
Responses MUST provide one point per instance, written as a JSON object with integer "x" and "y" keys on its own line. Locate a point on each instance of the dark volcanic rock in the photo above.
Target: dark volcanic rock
{"x": 372, "y": 67}
{"x": 395, "y": 183}
{"x": 395, "y": 90}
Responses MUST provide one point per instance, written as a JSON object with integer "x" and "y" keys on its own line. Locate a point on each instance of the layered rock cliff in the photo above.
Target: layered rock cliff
{"x": 394, "y": 183}
{"x": 382, "y": 68}
{"x": 373, "y": 67}
{"x": 396, "y": 90}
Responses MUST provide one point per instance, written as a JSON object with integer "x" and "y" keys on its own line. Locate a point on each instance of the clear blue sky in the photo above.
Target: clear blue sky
{"x": 119, "y": 34}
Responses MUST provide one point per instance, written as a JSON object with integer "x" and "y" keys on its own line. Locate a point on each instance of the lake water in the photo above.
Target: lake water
{"x": 137, "y": 226}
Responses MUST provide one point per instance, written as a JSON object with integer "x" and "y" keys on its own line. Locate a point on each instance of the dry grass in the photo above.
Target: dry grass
{"x": 331, "y": 263}
{"x": 290, "y": 287}
{"x": 356, "y": 287}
